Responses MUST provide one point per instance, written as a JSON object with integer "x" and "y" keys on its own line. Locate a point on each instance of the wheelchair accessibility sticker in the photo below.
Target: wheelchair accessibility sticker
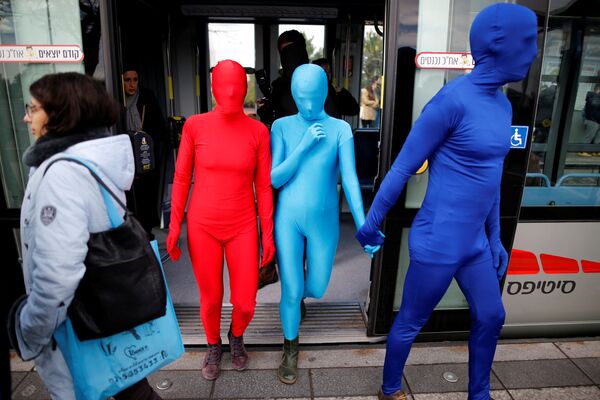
{"x": 518, "y": 139}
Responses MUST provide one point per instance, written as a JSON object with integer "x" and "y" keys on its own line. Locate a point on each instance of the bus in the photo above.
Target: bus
{"x": 405, "y": 51}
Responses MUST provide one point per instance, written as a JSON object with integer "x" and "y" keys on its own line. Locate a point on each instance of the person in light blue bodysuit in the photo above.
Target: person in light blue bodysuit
{"x": 309, "y": 149}
{"x": 465, "y": 133}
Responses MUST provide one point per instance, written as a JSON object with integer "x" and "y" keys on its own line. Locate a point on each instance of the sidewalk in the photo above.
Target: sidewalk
{"x": 523, "y": 370}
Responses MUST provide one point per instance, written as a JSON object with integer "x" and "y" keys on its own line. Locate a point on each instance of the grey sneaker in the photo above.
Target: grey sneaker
{"x": 211, "y": 367}
{"x": 239, "y": 355}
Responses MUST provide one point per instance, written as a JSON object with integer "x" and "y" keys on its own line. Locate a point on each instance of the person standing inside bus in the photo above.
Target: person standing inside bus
{"x": 309, "y": 150}
{"x": 142, "y": 113}
{"x": 464, "y": 132}
{"x": 228, "y": 153}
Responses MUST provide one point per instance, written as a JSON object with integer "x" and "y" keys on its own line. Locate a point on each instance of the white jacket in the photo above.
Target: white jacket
{"x": 59, "y": 211}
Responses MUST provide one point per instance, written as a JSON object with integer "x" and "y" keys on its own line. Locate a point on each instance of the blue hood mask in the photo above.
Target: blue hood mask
{"x": 503, "y": 44}
{"x": 309, "y": 89}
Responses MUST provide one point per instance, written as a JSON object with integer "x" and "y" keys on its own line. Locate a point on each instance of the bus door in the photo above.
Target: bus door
{"x": 200, "y": 37}
{"x": 554, "y": 273}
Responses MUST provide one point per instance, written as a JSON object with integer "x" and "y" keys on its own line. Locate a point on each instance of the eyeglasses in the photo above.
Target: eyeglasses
{"x": 30, "y": 109}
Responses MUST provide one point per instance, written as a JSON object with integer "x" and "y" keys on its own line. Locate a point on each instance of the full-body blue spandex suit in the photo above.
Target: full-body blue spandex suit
{"x": 308, "y": 150}
{"x": 465, "y": 133}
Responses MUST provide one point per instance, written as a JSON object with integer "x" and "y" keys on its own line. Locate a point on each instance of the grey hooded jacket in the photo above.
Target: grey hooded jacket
{"x": 59, "y": 211}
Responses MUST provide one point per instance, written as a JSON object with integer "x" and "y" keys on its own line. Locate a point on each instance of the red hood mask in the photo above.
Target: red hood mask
{"x": 229, "y": 87}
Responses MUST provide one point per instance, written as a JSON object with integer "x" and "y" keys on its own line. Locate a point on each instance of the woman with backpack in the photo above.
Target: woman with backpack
{"x": 69, "y": 116}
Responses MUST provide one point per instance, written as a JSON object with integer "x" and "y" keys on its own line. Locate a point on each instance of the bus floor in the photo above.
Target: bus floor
{"x": 338, "y": 317}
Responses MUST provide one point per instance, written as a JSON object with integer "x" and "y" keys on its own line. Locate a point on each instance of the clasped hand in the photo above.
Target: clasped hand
{"x": 313, "y": 135}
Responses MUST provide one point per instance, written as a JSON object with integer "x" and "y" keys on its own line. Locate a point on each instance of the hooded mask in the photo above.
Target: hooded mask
{"x": 292, "y": 56}
{"x": 503, "y": 43}
{"x": 309, "y": 89}
{"x": 229, "y": 87}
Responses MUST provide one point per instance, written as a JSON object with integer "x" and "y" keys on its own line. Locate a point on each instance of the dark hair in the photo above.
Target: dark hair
{"x": 321, "y": 61}
{"x": 291, "y": 36}
{"x": 74, "y": 103}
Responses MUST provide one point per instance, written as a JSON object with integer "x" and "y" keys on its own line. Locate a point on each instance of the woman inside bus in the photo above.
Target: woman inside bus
{"x": 69, "y": 114}
{"x": 309, "y": 150}
{"x": 369, "y": 104}
{"x": 465, "y": 133}
{"x": 228, "y": 154}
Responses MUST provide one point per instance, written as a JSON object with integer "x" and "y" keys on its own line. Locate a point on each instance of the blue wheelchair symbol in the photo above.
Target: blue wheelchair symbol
{"x": 518, "y": 139}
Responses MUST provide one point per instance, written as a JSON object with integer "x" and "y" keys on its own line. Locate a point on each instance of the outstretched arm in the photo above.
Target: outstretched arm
{"x": 181, "y": 188}
{"x": 352, "y": 187}
{"x": 264, "y": 196}
{"x": 284, "y": 168}
{"x": 350, "y": 181}
{"x": 428, "y": 133}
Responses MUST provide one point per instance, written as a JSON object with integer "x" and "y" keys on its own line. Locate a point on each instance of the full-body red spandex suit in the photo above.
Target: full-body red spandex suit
{"x": 229, "y": 154}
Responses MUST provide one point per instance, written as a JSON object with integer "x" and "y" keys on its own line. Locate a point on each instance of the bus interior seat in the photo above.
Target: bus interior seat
{"x": 562, "y": 194}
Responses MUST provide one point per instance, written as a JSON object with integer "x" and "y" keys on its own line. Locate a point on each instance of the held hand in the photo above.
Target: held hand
{"x": 172, "y": 238}
{"x": 368, "y": 237}
{"x": 313, "y": 135}
{"x": 371, "y": 250}
{"x": 268, "y": 252}
{"x": 500, "y": 258}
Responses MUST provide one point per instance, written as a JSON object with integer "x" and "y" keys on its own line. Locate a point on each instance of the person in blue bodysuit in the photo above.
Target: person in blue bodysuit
{"x": 465, "y": 133}
{"x": 309, "y": 149}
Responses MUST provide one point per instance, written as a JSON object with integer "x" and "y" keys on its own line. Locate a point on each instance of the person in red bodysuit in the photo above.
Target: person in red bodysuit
{"x": 229, "y": 154}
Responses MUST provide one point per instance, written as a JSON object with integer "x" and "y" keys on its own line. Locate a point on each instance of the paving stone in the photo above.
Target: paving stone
{"x": 259, "y": 384}
{"x": 190, "y": 360}
{"x": 581, "y": 349}
{"x": 495, "y": 394}
{"x": 16, "y": 378}
{"x": 348, "y": 398}
{"x": 527, "y": 351}
{"x": 429, "y": 378}
{"x": 570, "y": 393}
{"x": 31, "y": 388}
{"x": 365, "y": 357}
{"x": 409, "y": 397}
{"x": 539, "y": 374}
{"x": 438, "y": 355}
{"x": 18, "y": 365}
{"x": 185, "y": 384}
{"x": 591, "y": 366}
{"x": 346, "y": 381}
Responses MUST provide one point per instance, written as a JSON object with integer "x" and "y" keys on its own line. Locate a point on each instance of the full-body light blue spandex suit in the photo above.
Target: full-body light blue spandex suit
{"x": 465, "y": 133}
{"x": 309, "y": 149}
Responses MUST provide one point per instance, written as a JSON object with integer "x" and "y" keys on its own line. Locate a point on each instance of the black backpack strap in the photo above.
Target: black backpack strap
{"x": 94, "y": 174}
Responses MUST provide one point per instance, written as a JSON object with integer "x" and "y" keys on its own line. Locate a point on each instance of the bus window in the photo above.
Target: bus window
{"x": 28, "y": 28}
{"x": 314, "y": 36}
{"x": 564, "y": 164}
{"x": 371, "y": 78}
{"x": 234, "y": 42}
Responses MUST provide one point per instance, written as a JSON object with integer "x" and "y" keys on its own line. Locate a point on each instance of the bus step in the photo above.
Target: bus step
{"x": 326, "y": 322}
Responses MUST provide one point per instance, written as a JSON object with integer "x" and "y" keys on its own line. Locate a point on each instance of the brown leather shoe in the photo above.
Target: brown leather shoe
{"x": 239, "y": 355}
{"x": 211, "y": 367}
{"x": 399, "y": 395}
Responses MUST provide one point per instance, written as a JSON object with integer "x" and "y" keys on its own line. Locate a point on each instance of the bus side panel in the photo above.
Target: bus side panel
{"x": 553, "y": 281}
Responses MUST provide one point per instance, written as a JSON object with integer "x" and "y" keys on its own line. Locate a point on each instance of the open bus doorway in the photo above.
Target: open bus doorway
{"x": 187, "y": 43}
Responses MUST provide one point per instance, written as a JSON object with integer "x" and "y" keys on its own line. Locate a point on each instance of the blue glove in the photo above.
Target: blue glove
{"x": 368, "y": 238}
{"x": 500, "y": 257}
